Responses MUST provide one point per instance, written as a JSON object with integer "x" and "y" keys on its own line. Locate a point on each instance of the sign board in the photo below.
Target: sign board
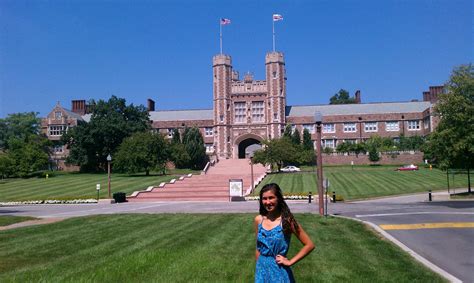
{"x": 97, "y": 187}
{"x": 235, "y": 187}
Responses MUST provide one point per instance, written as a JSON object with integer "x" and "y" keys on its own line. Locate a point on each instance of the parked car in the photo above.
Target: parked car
{"x": 410, "y": 167}
{"x": 290, "y": 169}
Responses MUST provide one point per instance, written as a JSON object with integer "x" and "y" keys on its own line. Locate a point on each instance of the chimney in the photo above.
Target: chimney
{"x": 434, "y": 92}
{"x": 235, "y": 76}
{"x": 426, "y": 96}
{"x": 150, "y": 105}
{"x": 79, "y": 106}
{"x": 357, "y": 97}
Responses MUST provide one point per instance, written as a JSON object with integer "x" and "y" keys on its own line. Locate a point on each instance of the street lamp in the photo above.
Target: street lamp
{"x": 251, "y": 170}
{"x": 109, "y": 159}
{"x": 318, "y": 118}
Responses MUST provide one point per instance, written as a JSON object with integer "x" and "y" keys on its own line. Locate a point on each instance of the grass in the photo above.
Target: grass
{"x": 78, "y": 185}
{"x": 6, "y": 220}
{"x": 366, "y": 181}
{"x": 193, "y": 248}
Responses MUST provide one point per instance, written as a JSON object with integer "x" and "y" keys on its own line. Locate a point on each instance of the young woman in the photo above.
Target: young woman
{"x": 273, "y": 228}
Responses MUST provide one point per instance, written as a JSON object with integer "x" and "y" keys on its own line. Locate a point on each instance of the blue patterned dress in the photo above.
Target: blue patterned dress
{"x": 271, "y": 243}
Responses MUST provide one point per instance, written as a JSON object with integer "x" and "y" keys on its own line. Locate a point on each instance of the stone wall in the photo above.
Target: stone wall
{"x": 408, "y": 157}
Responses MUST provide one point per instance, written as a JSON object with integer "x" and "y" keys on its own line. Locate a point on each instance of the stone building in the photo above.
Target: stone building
{"x": 246, "y": 112}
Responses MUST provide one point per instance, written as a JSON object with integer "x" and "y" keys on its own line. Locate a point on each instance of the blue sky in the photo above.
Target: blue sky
{"x": 62, "y": 50}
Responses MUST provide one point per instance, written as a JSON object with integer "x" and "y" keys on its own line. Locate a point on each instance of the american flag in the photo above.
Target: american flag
{"x": 277, "y": 17}
{"x": 225, "y": 21}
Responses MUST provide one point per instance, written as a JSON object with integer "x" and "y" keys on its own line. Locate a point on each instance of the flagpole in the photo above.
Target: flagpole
{"x": 220, "y": 35}
{"x": 273, "y": 30}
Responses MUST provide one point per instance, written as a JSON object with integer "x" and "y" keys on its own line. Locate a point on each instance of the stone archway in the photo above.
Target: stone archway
{"x": 247, "y": 146}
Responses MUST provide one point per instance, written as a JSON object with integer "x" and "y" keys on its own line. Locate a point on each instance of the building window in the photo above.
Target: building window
{"x": 222, "y": 118}
{"x": 257, "y": 111}
{"x": 208, "y": 132}
{"x": 58, "y": 149}
{"x": 392, "y": 126}
{"x": 331, "y": 143}
{"x": 170, "y": 132}
{"x": 370, "y": 126}
{"x": 350, "y": 128}
{"x": 275, "y": 117}
{"x": 413, "y": 125}
{"x": 309, "y": 127}
{"x": 56, "y": 130}
{"x": 209, "y": 147}
{"x": 58, "y": 115}
{"x": 329, "y": 128}
{"x": 239, "y": 112}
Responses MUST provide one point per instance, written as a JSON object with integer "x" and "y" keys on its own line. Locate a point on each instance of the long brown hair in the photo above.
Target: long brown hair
{"x": 287, "y": 219}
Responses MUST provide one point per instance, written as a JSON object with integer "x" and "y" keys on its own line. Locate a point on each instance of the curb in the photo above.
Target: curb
{"x": 411, "y": 252}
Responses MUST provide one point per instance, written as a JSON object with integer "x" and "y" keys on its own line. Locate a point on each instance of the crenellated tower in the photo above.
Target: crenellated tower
{"x": 222, "y": 87}
{"x": 276, "y": 93}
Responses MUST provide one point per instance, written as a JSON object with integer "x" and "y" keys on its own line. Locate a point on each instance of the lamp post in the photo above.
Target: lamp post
{"x": 251, "y": 171}
{"x": 318, "y": 118}
{"x": 109, "y": 159}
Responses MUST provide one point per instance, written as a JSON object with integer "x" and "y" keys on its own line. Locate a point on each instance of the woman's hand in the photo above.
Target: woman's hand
{"x": 281, "y": 260}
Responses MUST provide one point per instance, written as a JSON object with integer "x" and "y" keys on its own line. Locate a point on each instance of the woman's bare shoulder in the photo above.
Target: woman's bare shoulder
{"x": 258, "y": 219}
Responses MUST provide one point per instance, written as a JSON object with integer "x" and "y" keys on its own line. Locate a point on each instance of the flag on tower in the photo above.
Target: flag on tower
{"x": 277, "y": 17}
{"x": 225, "y": 21}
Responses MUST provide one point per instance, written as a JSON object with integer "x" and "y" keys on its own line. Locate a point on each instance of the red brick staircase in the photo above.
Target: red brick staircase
{"x": 212, "y": 186}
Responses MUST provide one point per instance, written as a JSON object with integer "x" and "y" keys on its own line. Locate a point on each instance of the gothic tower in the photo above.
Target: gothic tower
{"x": 276, "y": 93}
{"x": 222, "y": 87}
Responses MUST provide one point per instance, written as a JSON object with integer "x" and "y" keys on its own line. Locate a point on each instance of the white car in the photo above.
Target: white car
{"x": 290, "y": 169}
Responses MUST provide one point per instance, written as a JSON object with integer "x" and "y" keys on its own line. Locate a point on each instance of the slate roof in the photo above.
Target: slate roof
{"x": 299, "y": 111}
{"x": 182, "y": 115}
{"x": 357, "y": 109}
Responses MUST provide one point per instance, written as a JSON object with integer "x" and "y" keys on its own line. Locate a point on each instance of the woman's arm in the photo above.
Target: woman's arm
{"x": 308, "y": 246}
{"x": 257, "y": 221}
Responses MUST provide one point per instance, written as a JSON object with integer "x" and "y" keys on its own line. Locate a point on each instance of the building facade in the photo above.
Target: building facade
{"x": 247, "y": 111}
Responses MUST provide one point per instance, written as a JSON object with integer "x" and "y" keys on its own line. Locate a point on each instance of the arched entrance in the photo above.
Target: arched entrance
{"x": 248, "y": 146}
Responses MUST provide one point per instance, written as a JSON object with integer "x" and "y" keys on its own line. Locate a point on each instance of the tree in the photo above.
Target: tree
{"x": 18, "y": 125}
{"x": 288, "y": 131}
{"x": 176, "y": 137}
{"x": 142, "y": 152}
{"x": 6, "y": 165}
{"x": 28, "y": 155}
{"x": 342, "y": 97}
{"x": 373, "y": 153}
{"x": 194, "y": 146}
{"x": 111, "y": 122}
{"x": 307, "y": 142}
{"x": 451, "y": 145}
{"x": 277, "y": 152}
{"x": 296, "y": 137}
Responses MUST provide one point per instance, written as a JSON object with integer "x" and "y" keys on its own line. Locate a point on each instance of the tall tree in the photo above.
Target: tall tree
{"x": 111, "y": 122}
{"x": 29, "y": 154}
{"x": 342, "y": 97}
{"x": 143, "y": 151}
{"x": 288, "y": 131}
{"x": 18, "y": 125}
{"x": 194, "y": 145}
{"x": 307, "y": 142}
{"x": 451, "y": 145}
{"x": 296, "y": 137}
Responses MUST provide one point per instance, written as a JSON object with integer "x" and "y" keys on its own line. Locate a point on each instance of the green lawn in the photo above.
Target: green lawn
{"x": 6, "y": 220}
{"x": 366, "y": 181}
{"x": 78, "y": 185}
{"x": 193, "y": 248}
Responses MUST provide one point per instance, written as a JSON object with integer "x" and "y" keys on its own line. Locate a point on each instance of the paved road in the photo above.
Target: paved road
{"x": 449, "y": 248}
